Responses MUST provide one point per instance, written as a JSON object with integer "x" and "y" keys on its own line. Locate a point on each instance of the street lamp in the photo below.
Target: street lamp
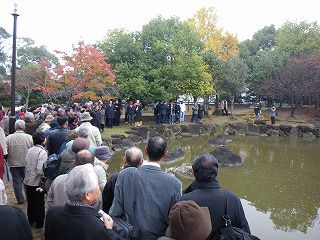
{"x": 13, "y": 71}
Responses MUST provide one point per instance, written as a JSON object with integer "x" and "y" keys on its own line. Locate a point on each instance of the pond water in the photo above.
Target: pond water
{"x": 278, "y": 183}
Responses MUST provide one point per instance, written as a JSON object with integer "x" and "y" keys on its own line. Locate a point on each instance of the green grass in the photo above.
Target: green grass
{"x": 116, "y": 130}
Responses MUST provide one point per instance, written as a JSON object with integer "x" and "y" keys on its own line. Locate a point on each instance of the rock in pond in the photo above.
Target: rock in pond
{"x": 226, "y": 157}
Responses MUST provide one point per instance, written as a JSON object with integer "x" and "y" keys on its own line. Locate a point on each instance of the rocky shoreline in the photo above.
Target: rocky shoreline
{"x": 138, "y": 135}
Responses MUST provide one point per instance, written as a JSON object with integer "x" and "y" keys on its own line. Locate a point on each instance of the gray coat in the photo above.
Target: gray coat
{"x": 155, "y": 192}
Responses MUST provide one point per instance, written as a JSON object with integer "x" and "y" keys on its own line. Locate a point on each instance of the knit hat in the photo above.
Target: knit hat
{"x": 102, "y": 153}
{"x": 85, "y": 117}
{"x": 188, "y": 221}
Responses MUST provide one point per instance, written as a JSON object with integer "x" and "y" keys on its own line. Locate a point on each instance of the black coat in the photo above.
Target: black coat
{"x": 210, "y": 194}
{"x": 110, "y": 110}
{"x": 14, "y": 224}
{"x": 55, "y": 139}
{"x": 75, "y": 223}
{"x": 138, "y": 113}
{"x": 96, "y": 118}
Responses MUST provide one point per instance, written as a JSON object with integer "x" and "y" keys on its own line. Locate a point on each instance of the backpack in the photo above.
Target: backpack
{"x": 51, "y": 166}
{"x": 228, "y": 232}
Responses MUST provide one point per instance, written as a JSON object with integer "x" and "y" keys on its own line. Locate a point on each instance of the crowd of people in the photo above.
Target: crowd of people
{"x": 68, "y": 205}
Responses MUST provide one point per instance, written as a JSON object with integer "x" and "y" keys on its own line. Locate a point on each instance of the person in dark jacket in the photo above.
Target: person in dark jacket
{"x": 58, "y": 136}
{"x": 130, "y": 112}
{"x": 206, "y": 192}
{"x": 14, "y": 224}
{"x": 138, "y": 113}
{"x": 117, "y": 112}
{"x": 96, "y": 117}
{"x": 133, "y": 158}
{"x": 162, "y": 112}
{"x": 78, "y": 219}
{"x": 110, "y": 110}
{"x": 200, "y": 112}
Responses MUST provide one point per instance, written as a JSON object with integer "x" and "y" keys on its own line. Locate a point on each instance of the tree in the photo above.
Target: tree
{"x": 299, "y": 39}
{"x": 28, "y": 53}
{"x": 27, "y": 80}
{"x": 83, "y": 74}
{"x": 292, "y": 83}
{"x": 204, "y": 22}
{"x": 3, "y": 57}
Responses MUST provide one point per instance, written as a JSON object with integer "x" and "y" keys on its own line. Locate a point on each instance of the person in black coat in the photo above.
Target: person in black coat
{"x": 138, "y": 113}
{"x": 206, "y": 192}
{"x": 162, "y": 112}
{"x": 110, "y": 110}
{"x": 78, "y": 219}
{"x": 117, "y": 112}
{"x": 14, "y": 224}
{"x": 96, "y": 117}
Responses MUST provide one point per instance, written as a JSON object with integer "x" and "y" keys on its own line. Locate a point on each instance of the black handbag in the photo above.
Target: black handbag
{"x": 122, "y": 225}
{"x": 228, "y": 232}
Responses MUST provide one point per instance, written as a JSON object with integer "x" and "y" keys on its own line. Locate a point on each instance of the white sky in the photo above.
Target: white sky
{"x": 58, "y": 24}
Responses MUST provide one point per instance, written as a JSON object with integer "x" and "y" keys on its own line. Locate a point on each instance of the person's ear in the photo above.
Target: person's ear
{"x": 124, "y": 160}
{"x": 165, "y": 156}
{"x": 146, "y": 151}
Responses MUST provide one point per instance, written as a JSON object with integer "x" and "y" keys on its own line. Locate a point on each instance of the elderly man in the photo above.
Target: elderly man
{"x": 46, "y": 123}
{"x": 78, "y": 219}
{"x": 18, "y": 143}
{"x": 94, "y": 136}
{"x": 147, "y": 193}
{"x": 31, "y": 125}
{"x": 133, "y": 157}
{"x": 206, "y": 192}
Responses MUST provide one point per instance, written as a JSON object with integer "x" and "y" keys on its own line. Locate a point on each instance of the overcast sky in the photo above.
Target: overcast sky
{"x": 58, "y": 24}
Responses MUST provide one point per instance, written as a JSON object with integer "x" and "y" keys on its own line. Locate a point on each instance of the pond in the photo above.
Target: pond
{"x": 278, "y": 183}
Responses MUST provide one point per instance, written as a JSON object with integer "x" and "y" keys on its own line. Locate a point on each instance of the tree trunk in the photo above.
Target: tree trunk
{"x": 232, "y": 104}
{"x": 27, "y": 99}
{"x": 216, "y": 103}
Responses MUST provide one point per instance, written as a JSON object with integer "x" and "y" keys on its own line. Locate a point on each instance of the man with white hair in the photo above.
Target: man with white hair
{"x": 31, "y": 125}
{"x": 78, "y": 219}
{"x": 18, "y": 143}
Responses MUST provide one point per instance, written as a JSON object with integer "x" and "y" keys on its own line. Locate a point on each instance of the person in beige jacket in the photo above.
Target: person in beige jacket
{"x": 35, "y": 158}
{"x": 18, "y": 143}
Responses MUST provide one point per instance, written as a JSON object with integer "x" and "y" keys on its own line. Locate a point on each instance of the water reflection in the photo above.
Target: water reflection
{"x": 279, "y": 181}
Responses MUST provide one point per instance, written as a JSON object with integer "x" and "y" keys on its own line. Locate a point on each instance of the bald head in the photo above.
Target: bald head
{"x": 134, "y": 156}
{"x": 80, "y": 144}
{"x": 84, "y": 157}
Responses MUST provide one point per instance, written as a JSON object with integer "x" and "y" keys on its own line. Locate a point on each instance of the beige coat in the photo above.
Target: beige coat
{"x": 35, "y": 158}
{"x": 18, "y": 143}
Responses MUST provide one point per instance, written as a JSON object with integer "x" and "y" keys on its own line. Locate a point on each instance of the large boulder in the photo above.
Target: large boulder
{"x": 226, "y": 157}
{"x": 317, "y": 123}
{"x": 127, "y": 143}
{"x": 142, "y": 131}
{"x": 118, "y": 136}
{"x": 183, "y": 171}
{"x": 221, "y": 139}
{"x": 194, "y": 129}
{"x": 116, "y": 141}
{"x": 260, "y": 122}
{"x": 286, "y": 129}
{"x": 175, "y": 155}
{"x": 304, "y": 128}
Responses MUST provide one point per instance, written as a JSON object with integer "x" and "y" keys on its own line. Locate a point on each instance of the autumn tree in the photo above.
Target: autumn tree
{"x": 205, "y": 23}
{"x": 84, "y": 75}
{"x": 3, "y": 56}
{"x": 299, "y": 79}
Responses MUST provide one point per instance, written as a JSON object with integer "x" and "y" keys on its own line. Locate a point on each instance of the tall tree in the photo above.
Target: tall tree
{"x": 299, "y": 39}
{"x": 3, "y": 57}
{"x": 84, "y": 74}
{"x": 28, "y": 53}
{"x": 205, "y": 23}
{"x": 300, "y": 78}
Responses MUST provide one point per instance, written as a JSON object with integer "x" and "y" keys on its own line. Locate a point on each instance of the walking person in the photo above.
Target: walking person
{"x": 35, "y": 158}
{"x": 182, "y": 111}
{"x": 130, "y": 112}
{"x": 138, "y": 114}
{"x": 200, "y": 113}
{"x": 225, "y": 107}
{"x": 117, "y": 112}
{"x": 18, "y": 144}
{"x": 194, "y": 117}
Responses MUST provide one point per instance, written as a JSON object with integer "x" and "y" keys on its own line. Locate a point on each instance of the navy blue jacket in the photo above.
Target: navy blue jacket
{"x": 210, "y": 194}
{"x": 56, "y": 138}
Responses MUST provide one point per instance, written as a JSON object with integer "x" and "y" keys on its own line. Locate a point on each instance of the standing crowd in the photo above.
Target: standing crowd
{"x": 78, "y": 201}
